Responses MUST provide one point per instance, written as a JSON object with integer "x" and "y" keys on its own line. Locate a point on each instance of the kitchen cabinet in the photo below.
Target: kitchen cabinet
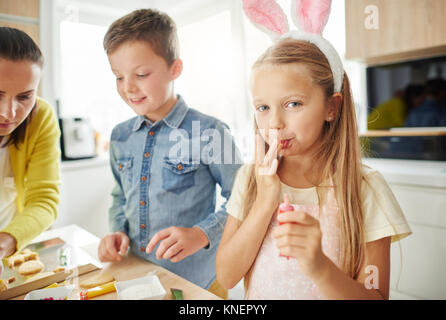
{"x": 417, "y": 262}
{"x": 23, "y": 8}
{"x": 22, "y": 15}
{"x": 386, "y": 31}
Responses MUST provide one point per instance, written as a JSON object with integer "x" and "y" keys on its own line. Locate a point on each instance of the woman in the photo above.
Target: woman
{"x": 29, "y": 145}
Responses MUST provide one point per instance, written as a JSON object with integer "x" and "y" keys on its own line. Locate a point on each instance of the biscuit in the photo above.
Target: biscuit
{"x": 29, "y": 255}
{"x": 31, "y": 267}
{"x": 15, "y": 260}
{"x": 58, "y": 269}
{"x": 3, "y": 285}
{"x": 96, "y": 280}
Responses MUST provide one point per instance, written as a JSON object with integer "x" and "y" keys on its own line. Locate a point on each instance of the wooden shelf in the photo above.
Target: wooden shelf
{"x": 403, "y": 133}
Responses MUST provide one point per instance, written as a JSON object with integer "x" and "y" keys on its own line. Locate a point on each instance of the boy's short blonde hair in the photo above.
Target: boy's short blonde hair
{"x": 149, "y": 25}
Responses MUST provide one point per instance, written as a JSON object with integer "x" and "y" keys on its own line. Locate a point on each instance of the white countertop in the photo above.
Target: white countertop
{"x": 415, "y": 172}
{"x": 71, "y": 165}
{"x": 75, "y": 236}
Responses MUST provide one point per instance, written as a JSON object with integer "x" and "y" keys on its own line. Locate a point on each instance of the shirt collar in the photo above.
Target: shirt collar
{"x": 173, "y": 119}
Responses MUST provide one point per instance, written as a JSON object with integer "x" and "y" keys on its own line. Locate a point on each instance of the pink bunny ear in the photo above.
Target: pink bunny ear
{"x": 267, "y": 16}
{"x": 310, "y": 15}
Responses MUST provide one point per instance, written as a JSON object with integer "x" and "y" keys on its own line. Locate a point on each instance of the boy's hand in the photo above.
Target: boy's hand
{"x": 300, "y": 237}
{"x": 177, "y": 243}
{"x": 113, "y": 246}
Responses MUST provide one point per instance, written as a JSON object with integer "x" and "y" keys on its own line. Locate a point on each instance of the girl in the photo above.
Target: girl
{"x": 29, "y": 145}
{"x": 345, "y": 215}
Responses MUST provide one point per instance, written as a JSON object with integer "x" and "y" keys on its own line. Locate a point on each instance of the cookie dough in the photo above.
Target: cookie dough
{"x": 96, "y": 280}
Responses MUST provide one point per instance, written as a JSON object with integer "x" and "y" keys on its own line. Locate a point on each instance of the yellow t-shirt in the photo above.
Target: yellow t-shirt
{"x": 382, "y": 214}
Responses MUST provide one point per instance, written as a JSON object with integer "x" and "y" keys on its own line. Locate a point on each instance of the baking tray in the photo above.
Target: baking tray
{"x": 52, "y": 253}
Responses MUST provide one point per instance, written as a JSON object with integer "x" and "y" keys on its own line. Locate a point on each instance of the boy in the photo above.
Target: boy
{"x": 163, "y": 204}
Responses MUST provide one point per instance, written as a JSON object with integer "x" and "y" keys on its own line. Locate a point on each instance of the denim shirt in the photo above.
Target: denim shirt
{"x": 166, "y": 174}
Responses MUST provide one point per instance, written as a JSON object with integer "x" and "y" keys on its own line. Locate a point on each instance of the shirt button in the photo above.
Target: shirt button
{"x": 152, "y": 133}
{"x": 180, "y": 167}
{"x": 143, "y": 178}
{"x": 143, "y": 226}
{"x": 142, "y": 203}
{"x": 146, "y": 155}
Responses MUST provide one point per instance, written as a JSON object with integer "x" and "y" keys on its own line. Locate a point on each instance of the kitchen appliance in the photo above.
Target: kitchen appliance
{"x": 385, "y": 82}
{"x": 77, "y": 138}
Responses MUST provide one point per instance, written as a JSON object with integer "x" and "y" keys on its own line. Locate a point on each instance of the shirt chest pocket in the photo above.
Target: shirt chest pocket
{"x": 178, "y": 175}
{"x": 125, "y": 169}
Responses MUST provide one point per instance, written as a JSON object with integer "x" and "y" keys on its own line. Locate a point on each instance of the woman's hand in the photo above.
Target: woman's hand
{"x": 268, "y": 182}
{"x": 7, "y": 247}
{"x": 300, "y": 237}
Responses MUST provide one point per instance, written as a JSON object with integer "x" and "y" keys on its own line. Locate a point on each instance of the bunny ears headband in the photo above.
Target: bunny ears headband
{"x": 310, "y": 16}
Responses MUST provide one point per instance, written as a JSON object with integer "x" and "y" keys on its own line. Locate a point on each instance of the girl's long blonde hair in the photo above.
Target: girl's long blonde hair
{"x": 338, "y": 157}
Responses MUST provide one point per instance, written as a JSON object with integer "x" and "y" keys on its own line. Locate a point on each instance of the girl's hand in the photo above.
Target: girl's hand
{"x": 177, "y": 243}
{"x": 113, "y": 246}
{"x": 300, "y": 237}
{"x": 268, "y": 182}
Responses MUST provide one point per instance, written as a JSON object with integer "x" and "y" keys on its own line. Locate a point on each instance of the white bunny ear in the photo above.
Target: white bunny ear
{"x": 310, "y": 15}
{"x": 267, "y": 16}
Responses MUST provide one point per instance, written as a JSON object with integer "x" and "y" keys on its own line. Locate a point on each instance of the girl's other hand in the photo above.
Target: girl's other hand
{"x": 300, "y": 237}
{"x": 268, "y": 182}
{"x": 113, "y": 246}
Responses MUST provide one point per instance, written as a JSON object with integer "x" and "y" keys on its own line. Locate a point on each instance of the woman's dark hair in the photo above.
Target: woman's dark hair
{"x": 412, "y": 91}
{"x": 16, "y": 45}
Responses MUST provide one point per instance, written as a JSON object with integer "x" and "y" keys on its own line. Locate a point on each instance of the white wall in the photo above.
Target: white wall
{"x": 85, "y": 195}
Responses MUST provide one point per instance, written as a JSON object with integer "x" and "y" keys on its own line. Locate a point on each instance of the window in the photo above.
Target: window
{"x": 206, "y": 82}
{"x": 87, "y": 87}
{"x": 214, "y": 78}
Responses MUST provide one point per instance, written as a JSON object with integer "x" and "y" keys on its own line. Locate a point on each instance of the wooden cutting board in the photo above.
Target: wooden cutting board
{"x": 52, "y": 253}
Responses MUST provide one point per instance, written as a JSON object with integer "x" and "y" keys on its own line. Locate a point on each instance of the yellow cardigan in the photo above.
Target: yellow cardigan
{"x": 35, "y": 165}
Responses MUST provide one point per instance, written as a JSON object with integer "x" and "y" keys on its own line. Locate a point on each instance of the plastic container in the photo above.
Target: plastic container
{"x": 144, "y": 288}
{"x": 58, "y": 293}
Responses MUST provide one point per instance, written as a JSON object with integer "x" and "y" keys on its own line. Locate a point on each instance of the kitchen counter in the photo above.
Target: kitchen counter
{"x": 73, "y": 165}
{"x": 410, "y": 172}
{"x": 130, "y": 267}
